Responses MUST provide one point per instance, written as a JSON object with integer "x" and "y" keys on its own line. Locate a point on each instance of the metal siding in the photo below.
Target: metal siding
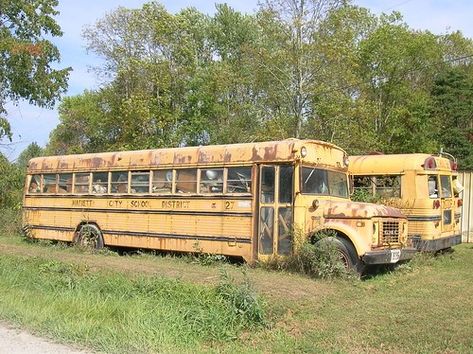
{"x": 466, "y": 179}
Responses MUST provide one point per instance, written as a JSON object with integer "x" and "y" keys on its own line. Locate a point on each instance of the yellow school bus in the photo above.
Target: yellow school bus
{"x": 254, "y": 201}
{"x": 423, "y": 186}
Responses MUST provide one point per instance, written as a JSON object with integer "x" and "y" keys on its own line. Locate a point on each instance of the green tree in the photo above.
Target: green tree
{"x": 31, "y": 151}
{"x": 26, "y": 56}
{"x": 453, "y": 110}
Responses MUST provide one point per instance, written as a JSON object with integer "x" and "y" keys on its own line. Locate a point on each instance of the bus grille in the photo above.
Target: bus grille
{"x": 390, "y": 231}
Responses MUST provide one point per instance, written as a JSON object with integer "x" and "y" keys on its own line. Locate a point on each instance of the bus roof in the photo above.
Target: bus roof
{"x": 271, "y": 151}
{"x": 395, "y": 163}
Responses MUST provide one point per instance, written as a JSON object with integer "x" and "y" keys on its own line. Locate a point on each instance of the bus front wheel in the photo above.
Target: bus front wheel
{"x": 90, "y": 236}
{"x": 346, "y": 252}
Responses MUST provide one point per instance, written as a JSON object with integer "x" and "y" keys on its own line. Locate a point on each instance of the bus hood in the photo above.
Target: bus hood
{"x": 355, "y": 210}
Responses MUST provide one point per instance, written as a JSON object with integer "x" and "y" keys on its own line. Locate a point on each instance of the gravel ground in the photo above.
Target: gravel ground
{"x": 15, "y": 341}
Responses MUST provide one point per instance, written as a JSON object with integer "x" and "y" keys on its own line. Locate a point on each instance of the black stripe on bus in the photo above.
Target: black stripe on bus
{"x": 424, "y": 218}
{"x": 238, "y": 239}
{"x": 143, "y": 196}
{"x": 142, "y": 211}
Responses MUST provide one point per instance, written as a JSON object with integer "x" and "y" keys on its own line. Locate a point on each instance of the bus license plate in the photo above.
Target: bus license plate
{"x": 395, "y": 255}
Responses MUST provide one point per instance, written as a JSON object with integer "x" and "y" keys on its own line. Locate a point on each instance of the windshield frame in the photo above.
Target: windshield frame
{"x": 328, "y": 179}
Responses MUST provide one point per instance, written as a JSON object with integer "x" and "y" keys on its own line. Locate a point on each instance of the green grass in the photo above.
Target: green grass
{"x": 425, "y": 306}
{"x": 116, "y": 313}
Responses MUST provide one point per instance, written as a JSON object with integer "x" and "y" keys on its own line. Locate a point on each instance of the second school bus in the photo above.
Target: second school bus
{"x": 252, "y": 200}
{"x": 423, "y": 186}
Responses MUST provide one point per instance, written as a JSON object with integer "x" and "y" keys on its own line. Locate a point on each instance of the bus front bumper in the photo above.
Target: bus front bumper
{"x": 437, "y": 244}
{"x": 388, "y": 256}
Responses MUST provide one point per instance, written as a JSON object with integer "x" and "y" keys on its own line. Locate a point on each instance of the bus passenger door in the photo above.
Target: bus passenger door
{"x": 447, "y": 203}
{"x": 276, "y": 191}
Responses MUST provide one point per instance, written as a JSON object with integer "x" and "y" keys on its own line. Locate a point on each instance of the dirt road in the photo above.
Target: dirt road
{"x": 15, "y": 341}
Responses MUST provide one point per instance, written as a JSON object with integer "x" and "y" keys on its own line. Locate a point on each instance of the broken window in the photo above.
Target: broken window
{"x": 186, "y": 181}
{"x": 388, "y": 186}
{"x": 35, "y": 184}
{"x": 211, "y": 180}
{"x": 265, "y": 244}
{"x": 433, "y": 187}
{"x": 239, "y": 180}
{"x": 162, "y": 181}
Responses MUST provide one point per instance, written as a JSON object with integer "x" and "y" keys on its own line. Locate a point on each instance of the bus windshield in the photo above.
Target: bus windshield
{"x": 324, "y": 182}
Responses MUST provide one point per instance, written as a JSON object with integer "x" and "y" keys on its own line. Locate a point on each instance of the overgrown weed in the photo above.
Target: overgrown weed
{"x": 319, "y": 260}
{"x": 242, "y": 298}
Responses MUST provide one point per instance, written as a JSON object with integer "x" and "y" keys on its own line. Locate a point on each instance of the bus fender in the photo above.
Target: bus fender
{"x": 348, "y": 232}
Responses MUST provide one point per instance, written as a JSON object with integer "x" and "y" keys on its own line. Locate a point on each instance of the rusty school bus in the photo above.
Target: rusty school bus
{"x": 245, "y": 200}
{"x": 423, "y": 186}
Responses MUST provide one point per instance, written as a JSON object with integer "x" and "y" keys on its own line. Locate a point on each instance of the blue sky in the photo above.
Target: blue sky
{"x": 30, "y": 123}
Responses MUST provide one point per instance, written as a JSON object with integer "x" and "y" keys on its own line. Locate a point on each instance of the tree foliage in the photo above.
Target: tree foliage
{"x": 296, "y": 68}
{"x": 26, "y": 56}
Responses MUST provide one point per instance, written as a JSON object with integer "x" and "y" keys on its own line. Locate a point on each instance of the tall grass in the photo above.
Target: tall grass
{"x": 10, "y": 221}
{"x": 114, "y": 313}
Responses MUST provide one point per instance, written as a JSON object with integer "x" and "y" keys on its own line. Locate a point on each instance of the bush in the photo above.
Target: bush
{"x": 313, "y": 258}
{"x": 10, "y": 221}
{"x": 242, "y": 299}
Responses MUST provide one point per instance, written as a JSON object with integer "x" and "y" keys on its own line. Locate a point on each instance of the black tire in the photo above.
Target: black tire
{"x": 90, "y": 236}
{"x": 347, "y": 252}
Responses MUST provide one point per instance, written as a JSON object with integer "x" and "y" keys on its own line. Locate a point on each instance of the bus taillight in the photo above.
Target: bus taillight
{"x": 453, "y": 165}
{"x": 460, "y": 202}
{"x": 436, "y": 204}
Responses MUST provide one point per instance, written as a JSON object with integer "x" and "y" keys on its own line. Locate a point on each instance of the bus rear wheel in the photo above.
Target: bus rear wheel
{"x": 90, "y": 236}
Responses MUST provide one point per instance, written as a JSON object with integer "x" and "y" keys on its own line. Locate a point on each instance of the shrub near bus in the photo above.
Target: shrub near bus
{"x": 423, "y": 186}
{"x": 255, "y": 201}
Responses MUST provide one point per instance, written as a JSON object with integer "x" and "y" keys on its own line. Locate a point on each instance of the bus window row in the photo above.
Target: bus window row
{"x": 229, "y": 180}
{"x": 384, "y": 186}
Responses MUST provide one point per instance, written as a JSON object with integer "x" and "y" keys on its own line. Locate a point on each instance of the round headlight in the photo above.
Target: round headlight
{"x": 303, "y": 151}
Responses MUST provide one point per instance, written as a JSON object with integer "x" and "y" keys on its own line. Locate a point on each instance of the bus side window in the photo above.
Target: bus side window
{"x": 81, "y": 184}
{"x": 388, "y": 186}
{"x": 65, "y": 183}
{"x": 363, "y": 183}
{"x": 49, "y": 183}
{"x": 162, "y": 181}
{"x": 433, "y": 187}
{"x": 119, "y": 182}
{"x": 239, "y": 180}
{"x": 211, "y": 181}
{"x": 99, "y": 182}
{"x": 35, "y": 184}
{"x": 186, "y": 181}
{"x": 139, "y": 182}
